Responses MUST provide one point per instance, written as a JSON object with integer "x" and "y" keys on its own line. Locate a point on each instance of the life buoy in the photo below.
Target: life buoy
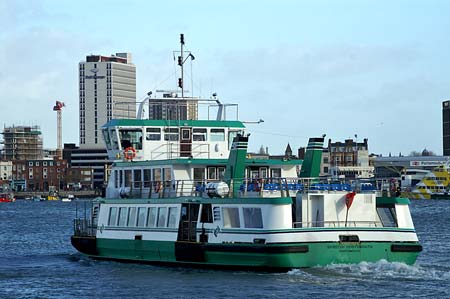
{"x": 129, "y": 153}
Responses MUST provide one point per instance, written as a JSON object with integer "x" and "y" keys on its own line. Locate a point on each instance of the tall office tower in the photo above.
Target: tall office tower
{"x": 446, "y": 127}
{"x": 107, "y": 90}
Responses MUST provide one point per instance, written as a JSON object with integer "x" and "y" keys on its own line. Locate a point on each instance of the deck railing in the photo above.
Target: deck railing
{"x": 337, "y": 224}
{"x": 83, "y": 228}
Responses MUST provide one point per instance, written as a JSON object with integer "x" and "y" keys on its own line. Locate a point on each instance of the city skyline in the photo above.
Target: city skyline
{"x": 374, "y": 69}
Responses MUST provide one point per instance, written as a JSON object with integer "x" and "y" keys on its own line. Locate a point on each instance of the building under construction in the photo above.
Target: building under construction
{"x": 22, "y": 143}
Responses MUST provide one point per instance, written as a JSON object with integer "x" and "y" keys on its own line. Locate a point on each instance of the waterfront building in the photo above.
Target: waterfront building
{"x": 446, "y": 127}
{"x": 349, "y": 159}
{"x": 22, "y": 143}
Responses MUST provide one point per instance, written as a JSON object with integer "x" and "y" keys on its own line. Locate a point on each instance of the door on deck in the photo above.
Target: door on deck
{"x": 186, "y": 142}
{"x": 187, "y": 248}
{"x": 187, "y": 231}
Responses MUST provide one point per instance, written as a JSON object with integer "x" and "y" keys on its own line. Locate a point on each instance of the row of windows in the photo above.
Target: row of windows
{"x": 143, "y": 217}
{"x": 44, "y": 163}
{"x": 167, "y": 217}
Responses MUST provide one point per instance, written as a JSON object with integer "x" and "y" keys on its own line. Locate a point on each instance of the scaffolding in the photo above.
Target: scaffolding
{"x": 22, "y": 143}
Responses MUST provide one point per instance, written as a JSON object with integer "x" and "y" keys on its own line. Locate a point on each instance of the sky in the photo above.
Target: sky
{"x": 372, "y": 69}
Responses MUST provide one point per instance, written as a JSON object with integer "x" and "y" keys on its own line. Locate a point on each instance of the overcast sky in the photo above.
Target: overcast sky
{"x": 377, "y": 69}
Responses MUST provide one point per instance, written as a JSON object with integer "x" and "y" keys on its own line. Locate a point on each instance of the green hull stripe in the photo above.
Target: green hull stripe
{"x": 226, "y": 255}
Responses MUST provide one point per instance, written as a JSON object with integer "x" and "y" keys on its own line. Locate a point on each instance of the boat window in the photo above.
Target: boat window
{"x": 130, "y": 137}
{"x": 131, "y": 216}
{"x": 173, "y": 212}
{"x": 137, "y": 178}
{"x": 167, "y": 174}
{"x": 253, "y": 218}
{"x": 231, "y": 135}
{"x": 147, "y": 178}
{"x": 153, "y": 134}
{"x": 221, "y": 172}
{"x": 212, "y": 175}
{"x": 275, "y": 172}
{"x": 217, "y": 135}
{"x": 162, "y": 216}
{"x": 387, "y": 216}
{"x": 198, "y": 134}
{"x": 120, "y": 178}
{"x": 156, "y": 174}
{"x": 112, "y": 216}
{"x": 206, "y": 216}
{"x": 199, "y": 174}
{"x": 151, "y": 217}
{"x": 122, "y": 216}
{"x": 141, "y": 217}
{"x": 116, "y": 179}
{"x": 171, "y": 134}
{"x": 106, "y": 138}
{"x": 113, "y": 137}
{"x": 231, "y": 218}
{"x": 128, "y": 178}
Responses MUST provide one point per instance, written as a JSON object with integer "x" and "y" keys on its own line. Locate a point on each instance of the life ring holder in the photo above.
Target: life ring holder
{"x": 129, "y": 153}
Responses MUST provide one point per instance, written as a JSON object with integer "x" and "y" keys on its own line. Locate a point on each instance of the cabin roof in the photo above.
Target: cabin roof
{"x": 174, "y": 123}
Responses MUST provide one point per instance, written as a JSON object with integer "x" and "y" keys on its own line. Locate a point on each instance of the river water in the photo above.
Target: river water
{"x": 38, "y": 261}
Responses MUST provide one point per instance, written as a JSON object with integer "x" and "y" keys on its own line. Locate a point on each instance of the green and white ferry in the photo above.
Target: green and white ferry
{"x": 186, "y": 192}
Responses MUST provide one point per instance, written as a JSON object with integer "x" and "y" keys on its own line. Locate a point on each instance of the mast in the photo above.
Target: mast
{"x": 180, "y": 63}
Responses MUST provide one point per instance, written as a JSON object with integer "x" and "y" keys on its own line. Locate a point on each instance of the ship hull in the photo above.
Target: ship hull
{"x": 262, "y": 256}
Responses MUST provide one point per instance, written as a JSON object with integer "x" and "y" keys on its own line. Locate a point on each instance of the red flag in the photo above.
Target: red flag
{"x": 349, "y": 199}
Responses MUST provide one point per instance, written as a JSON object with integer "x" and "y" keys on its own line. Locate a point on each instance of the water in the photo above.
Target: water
{"x": 38, "y": 261}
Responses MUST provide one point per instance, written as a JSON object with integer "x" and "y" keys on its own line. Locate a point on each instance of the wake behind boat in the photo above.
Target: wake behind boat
{"x": 186, "y": 192}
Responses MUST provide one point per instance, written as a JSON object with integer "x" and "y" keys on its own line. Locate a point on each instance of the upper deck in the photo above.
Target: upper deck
{"x": 170, "y": 139}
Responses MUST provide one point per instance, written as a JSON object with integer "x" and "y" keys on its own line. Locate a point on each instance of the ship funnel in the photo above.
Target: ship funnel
{"x": 235, "y": 171}
{"x": 313, "y": 158}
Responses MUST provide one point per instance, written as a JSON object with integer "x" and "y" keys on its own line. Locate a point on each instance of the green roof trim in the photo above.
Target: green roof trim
{"x": 174, "y": 123}
{"x": 393, "y": 200}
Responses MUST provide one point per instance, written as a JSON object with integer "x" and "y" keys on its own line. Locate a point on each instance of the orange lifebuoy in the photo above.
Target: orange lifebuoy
{"x": 129, "y": 153}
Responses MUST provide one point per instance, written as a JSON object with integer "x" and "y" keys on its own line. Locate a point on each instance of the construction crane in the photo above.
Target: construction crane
{"x": 58, "y": 108}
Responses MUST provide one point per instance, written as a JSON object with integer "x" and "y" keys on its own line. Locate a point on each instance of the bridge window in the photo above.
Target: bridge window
{"x": 253, "y": 218}
{"x": 130, "y": 137}
{"x": 113, "y": 137}
{"x": 231, "y": 218}
{"x": 217, "y": 135}
{"x": 106, "y": 138}
{"x": 198, "y": 134}
{"x": 387, "y": 216}
{"x": 153, "y": 134}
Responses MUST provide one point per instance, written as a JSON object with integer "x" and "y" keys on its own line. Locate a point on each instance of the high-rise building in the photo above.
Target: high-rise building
{"x": 107, "y": 90}
{"x": 446, "y": 127}
{"x": 22, "y": 143}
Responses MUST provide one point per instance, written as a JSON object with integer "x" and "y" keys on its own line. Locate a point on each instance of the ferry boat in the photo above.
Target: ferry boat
{"x": 186, "y": 192}
{"x": 6, "y": 194}
{"x": 435, "y": 184}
